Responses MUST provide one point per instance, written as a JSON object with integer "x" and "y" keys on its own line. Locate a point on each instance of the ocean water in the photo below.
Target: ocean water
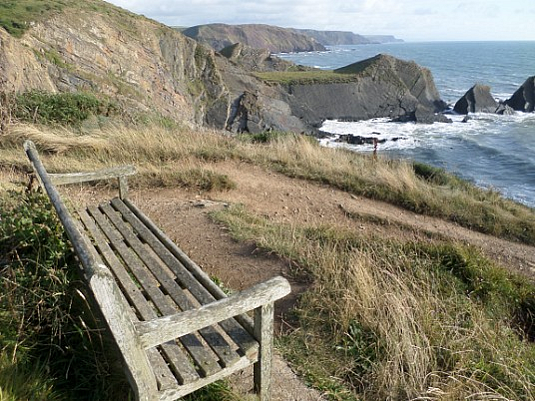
{"x": 490, "y": 150}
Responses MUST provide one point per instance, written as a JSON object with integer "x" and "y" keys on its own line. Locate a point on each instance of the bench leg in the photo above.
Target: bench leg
{"x": 263, "y": 326}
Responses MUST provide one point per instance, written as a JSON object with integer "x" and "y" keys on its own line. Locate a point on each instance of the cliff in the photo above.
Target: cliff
{"x": 146, "y": 68}
{"x": 382, "y": 86}
{"x": 95, "y": 47}
{"x": 333, "y": 38}
{"x": 272, "y": 38}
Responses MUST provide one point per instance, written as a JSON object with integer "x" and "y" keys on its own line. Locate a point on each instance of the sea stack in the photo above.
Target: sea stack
{"x": 524, "y": 97}
{"x": 477, "y": 99}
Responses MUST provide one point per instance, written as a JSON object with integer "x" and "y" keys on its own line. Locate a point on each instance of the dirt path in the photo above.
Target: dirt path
{"x": 183, "y": 215}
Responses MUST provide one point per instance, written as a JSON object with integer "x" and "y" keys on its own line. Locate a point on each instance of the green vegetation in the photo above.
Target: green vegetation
{"x": 46, "y": 326}
{"x": 400, "y": 320}
{"x": 383, "y": 319}
{"x": 59, "y": 108}
{"x": 16, "y": 16}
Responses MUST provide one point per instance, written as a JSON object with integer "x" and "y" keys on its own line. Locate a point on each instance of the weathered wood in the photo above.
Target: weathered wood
{"x": 123, "y": 187}
{"x": 197, "y": 272}
{"x": 105, "y": 291}
{"x": 104, "y": 174}
{"x": 172, "y": 395}
{"x": 218, "y": 343}
{"x": 264, "y": 317}
{"x": 186, "y": 279}
{"x": 180, "y": 364}
{"x": 149, "y": 298}
{"x": 164, "y": 328}
{"x": 204, "y": 360}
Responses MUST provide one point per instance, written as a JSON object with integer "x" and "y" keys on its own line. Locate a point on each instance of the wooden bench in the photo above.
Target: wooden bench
{"x": 175, "y": 328}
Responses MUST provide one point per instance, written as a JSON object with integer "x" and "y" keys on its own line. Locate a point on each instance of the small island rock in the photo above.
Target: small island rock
{"x": 477, "y": 99}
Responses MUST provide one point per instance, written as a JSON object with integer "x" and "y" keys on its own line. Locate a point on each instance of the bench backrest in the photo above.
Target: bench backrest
{"x": 100, "y": 280}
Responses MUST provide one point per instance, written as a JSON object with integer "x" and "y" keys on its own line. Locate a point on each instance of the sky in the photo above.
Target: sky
{"x": 411, "y": 20}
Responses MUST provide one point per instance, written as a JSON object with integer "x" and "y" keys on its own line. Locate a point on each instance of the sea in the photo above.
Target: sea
{"x": 492, "y": 151}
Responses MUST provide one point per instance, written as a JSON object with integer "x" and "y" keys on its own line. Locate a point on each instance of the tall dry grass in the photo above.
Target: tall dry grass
{"x": 400, "y": 321}
{"x": 160, "y": 152}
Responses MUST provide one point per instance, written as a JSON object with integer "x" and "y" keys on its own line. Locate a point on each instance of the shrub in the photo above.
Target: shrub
{"x": 60, "y": 108}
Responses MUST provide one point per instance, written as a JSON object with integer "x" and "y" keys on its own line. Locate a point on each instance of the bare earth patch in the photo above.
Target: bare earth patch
{"x": 183, "y": 215}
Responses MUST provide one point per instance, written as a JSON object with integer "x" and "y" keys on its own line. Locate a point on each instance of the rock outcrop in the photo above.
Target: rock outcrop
{"x": 477, "y": 99}
{"x": 272, "y": 38}
{"x": 382, "y": 86}
{"x": 147, "y": 68}
{"x": 524, "y": 97}
{"x": 255, "y": 59}
{"x": 141, "y": 65}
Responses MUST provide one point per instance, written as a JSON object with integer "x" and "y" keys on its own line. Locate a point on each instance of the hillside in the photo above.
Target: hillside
{"x": 380, "y": 265}
{"x": 334, "y": 38}
{"x": 272, "y": 38}
{"x": 95, "y": 47}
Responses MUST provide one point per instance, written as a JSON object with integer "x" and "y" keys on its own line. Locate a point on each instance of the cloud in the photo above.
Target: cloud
{"x": 408, "y": 19}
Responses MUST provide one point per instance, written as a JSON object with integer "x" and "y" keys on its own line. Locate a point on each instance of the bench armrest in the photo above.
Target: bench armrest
{"x": 161, "y": 330}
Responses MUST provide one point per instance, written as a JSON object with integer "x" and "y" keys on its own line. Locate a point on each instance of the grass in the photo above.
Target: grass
{"x": 394, "y": 320}
{"x": 16, "y": 16}
{"x": 383, "y": 319}
{"x": 167, "y": 154}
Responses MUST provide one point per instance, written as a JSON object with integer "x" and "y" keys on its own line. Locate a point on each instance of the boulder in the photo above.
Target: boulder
{"x": 524, "y": 97}
{"x": 477, "y": 99}
{"x": 504, "y": 109}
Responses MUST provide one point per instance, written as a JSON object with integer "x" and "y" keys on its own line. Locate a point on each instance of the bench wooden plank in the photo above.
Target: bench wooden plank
{"x": 145, "y": 292}
{"x": 182, "y": 366}
{"x": 165, "y": 378}
{"x": 212, "y": 337}
{"x": 205, "y": 361}
{"x": 241, "y": 336}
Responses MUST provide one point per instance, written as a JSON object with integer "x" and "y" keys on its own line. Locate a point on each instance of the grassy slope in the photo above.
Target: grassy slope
{"x": 463, "y": 321}
{"x": 16, "y": 16}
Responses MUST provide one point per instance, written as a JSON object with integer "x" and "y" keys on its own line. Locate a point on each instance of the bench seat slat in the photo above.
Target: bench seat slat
{"x": 182, "y": 366}
{"x": 205, "y": 362}
{"x": 246, "y": 342}
{"x": 218, "y": 343}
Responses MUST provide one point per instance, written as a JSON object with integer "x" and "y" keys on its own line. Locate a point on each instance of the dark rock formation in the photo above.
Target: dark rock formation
{"x": 504, "y": 109}
{"x": 382, "y": 86}
{"x": 524, "y": 97}
{"x": 272, "y": 38}
{"x": 477, "y": 99}
{"x": 256, "y": 59}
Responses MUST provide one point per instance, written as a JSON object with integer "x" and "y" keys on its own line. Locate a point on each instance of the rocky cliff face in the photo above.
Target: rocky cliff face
{"x": 477, "y": 99}
{"x": 524, "y": 97}
{"x": 383, "y": 86}
{"x": 139, "y": 63}
{"x": 272, "y": 38}
{"x": 146, "y": 67}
